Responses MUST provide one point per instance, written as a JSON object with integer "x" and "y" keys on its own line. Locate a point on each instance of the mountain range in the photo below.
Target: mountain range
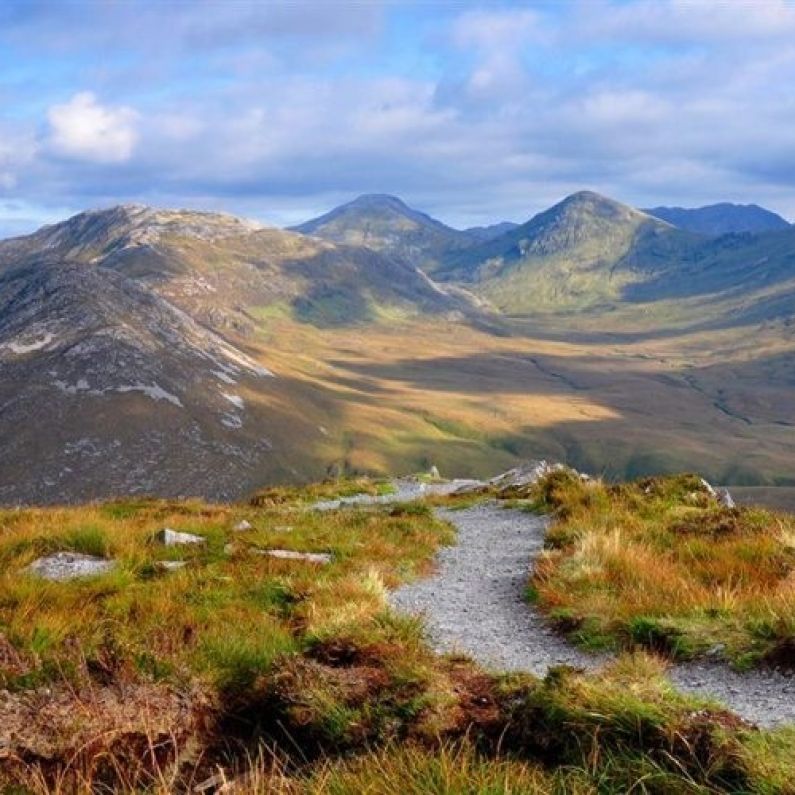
{"x": 177, "y": 352}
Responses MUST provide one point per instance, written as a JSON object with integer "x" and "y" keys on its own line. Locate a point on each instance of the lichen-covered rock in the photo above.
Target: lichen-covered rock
{"x": 70, "y": 565}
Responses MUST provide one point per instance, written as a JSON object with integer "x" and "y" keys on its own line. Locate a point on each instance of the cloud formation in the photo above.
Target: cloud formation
{"x": 85, "y": 130}
{"x": 472, "y": 112}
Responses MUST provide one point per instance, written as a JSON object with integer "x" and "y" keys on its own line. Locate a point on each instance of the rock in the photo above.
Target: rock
{"x": 433, "y": 472}
{"x": 70, "y": 565}
{"x": 242, "y": 525}
{"x": 290, "y": 554}
{"x": 526, "y": 474}
{"x": 716, "y": 651}
{"x": 723, "y": 496}
{"x": 464, "y": 486}
{"x": 173, "y": 538}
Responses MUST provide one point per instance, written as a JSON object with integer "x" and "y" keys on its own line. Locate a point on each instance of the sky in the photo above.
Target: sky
{"x": 473, "y": 112}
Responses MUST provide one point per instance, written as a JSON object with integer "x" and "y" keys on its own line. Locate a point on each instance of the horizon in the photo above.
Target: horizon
{"x": 473, "y": 112}
{"x": 265, "y": 223}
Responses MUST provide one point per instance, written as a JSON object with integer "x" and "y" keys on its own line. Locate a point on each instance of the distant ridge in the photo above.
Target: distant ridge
{"x": 721, "y": 219}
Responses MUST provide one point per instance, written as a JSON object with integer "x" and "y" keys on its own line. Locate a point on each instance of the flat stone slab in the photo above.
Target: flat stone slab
{"x": 290, "y": 554}
{"x": 62, "y": 566}
{"x": 173, "y": 538}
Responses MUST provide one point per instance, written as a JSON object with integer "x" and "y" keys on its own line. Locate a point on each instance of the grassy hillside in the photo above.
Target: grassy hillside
{"x": 583, "y": 252}
{"x": 659, "y": 564}
{"x": 294, "y": 677}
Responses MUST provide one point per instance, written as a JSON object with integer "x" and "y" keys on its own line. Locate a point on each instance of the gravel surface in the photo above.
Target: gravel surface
{"x": 475, "y": 601}
{"x": 475, "y": 604}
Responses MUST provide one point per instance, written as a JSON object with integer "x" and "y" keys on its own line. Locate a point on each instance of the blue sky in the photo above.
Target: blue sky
{"x": 474, "y": 112}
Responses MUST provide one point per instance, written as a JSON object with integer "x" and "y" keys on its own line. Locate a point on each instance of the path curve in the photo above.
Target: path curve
{"x": 474, "y": 603}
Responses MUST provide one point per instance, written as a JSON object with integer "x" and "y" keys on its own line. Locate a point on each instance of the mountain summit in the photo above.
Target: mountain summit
{"x": 387, "y": 224}
{"x": 571, "y": 255}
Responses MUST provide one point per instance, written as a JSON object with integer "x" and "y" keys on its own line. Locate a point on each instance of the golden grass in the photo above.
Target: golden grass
{"x": 662, "y": 564}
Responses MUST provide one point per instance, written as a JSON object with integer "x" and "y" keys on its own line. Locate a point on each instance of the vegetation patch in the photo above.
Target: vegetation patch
{"x": 660, "y": 564}
{"x": 284, "y": 677}
{"x": 332, "y": 489}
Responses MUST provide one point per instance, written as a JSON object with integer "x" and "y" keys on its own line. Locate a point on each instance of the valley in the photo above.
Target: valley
{"x": 605, "y": 339}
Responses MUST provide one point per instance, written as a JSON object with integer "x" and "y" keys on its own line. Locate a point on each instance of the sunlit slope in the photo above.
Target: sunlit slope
{"x": 582, "y": 253}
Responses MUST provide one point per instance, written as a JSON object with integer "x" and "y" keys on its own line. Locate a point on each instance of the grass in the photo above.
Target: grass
{"x": 658, "y": 563}
{"x": 331, "y": 489}
{"x": 143, "y": 680}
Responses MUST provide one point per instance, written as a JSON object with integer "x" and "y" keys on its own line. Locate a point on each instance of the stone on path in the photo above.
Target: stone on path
{"x": 70, "y": 565}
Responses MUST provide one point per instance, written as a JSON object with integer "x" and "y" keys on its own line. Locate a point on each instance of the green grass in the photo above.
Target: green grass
{"x": 331, "y": 489}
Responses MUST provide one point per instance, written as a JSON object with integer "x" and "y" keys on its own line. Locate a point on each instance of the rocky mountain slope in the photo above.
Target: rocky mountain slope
{"x": 115, "y": 376}
{"x": 107, "y": 388}
{"x": 721, "y": 219}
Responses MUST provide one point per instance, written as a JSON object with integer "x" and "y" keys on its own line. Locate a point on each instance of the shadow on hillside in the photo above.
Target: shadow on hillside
{"x": 719, "y": 419}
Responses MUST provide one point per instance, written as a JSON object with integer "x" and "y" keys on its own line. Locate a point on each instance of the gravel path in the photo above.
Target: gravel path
{"x": 474, "y": 603}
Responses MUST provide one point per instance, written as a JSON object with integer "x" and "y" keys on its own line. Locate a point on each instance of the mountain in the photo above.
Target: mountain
{"x": 221, "y": 268}
{"x": 480, "y": 234}
{"x": 107, "y": 388}
{"x": 721, "y": 219}
{"x": 116, "y": 377}
{"x": 176, "y": 352}
{"x": 580, "y": 253}
{"x": 386, "y": 224}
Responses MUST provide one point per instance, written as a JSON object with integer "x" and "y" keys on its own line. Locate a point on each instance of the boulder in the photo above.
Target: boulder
{"x": 173, "y": 538}
{"x": 70, "y": 565}
{"x": 290, "y": 554}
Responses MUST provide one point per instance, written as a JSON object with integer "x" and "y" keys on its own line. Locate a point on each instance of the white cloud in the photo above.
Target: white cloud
{"x": 85, "y": 130}
{"x": 680, "y": 21}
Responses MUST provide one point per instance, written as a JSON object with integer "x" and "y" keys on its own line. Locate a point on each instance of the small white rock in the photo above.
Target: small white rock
{"x": 242, "y": 525}
{"x": 172, "y": 538}
{"x": 290, "y": 554}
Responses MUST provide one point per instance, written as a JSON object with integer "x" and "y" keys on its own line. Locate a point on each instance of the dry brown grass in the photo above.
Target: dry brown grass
{"x": 660, "y": 563}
